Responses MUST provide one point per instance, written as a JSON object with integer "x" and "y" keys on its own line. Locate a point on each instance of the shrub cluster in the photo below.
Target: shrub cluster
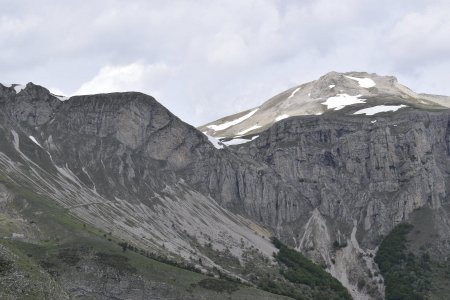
{"x": 5, "y": 265}
{"x": 302, "y": 272}
{"x": 405, "y": 274}
{"x": 219, "y": 285}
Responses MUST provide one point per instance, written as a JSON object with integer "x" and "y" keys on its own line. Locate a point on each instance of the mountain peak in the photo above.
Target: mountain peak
{"x": 29, "y": 88}
{"x": 333, "y": 75}
{"x": 351, "y": 93}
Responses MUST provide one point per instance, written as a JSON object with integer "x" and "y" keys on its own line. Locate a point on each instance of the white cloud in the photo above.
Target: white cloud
{"x": 421, "y": 35}
{"x": 132, "y": 77}
{"x": 56, "y": 91}
{"x": 228, "y": 49}
{"x": 11, "y": 27}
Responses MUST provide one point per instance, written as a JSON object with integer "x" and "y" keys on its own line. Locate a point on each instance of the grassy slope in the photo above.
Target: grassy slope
{"x": 58, "y": 234}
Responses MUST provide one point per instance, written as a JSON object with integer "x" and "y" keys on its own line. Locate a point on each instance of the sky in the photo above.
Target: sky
{"x": 207, "y": 59}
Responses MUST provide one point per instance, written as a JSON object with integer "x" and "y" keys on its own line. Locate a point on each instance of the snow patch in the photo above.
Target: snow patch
{"x": 374, "y": 121}
{"x": 35, "y": 141}
{"x": 363, "y": 82}
{"x": 379, "y": 109}
{"x": 341, "y": 100}
{"x": 61, "y": 98}
{"x": 18, "y": 88}
{"x": 294, "y": 92}
{"x": 239, "y": 141}
{"x": 249, "y": 129}
{"x": 331, "y": 86}
{"x": 279, "y": 118}
{"x": 215, "y": 142}
{"x": 231, "y": 123}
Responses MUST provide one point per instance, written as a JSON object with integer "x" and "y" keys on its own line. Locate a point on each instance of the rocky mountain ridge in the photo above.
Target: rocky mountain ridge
{"x": 330, "y": 185}
{"x": 341, "y": 93}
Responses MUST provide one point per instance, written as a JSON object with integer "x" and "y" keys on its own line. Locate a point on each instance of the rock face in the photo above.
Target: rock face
{"x": 360, "y": 181}
{"x": 330, "y": 185}
{"x": 376, "y": 173}
{"x": 352, "y": 177}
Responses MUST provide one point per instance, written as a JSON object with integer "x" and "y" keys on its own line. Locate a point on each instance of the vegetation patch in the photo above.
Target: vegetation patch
{"x": 69, "y": 256}
{"x": 5, "y": 265}
{"x": 305, "y": 276}
{"x": 217, "y": 285}
{"x": 406, "y": 275}
{"x": 118, "y": 262}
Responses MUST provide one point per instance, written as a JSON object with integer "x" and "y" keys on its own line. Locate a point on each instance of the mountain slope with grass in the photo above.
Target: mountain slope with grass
{"x": 46, "y": 253}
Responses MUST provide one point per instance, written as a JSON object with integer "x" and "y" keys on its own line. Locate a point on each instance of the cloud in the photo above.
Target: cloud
{"x": 56, "y": 91}
{"x": 125, "y": 78}
{"x": 421, "y": 36}
{"x": 228, "y": 49}
{"x": 206, "y": 59}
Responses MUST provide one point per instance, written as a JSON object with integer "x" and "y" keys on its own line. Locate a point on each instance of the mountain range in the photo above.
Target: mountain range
{"x": 334, "y": 189}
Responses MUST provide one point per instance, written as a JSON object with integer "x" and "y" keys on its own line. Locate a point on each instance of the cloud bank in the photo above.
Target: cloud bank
{"x": 206, "y": 59}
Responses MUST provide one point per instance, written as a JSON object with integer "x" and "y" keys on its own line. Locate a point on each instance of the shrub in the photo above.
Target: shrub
{"x": 5, "y": 265}
{"x": 302, "y": 271}
{"x": 115, "y": 261}
{"x": 69, "y": 256}
{"x": 219, "y": 285}
{"x": 404, "y": 273}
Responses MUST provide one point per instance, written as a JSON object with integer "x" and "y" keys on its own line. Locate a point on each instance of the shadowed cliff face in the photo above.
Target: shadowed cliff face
{"x": 355, "y": 169}
{"x": 332, "y": 186}
{"x": 356, "y": 179}
{"x": 132, "y": 146}
{"x": 130, "y": 136}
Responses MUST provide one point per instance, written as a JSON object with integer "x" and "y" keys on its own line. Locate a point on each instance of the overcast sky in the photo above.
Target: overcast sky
{"x": 207, "y": 59}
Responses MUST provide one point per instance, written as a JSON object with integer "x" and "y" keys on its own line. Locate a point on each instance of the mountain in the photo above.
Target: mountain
{"x": 364, "y": 154}
{"x": 106, "y": 189}
{"x": 86, "y": 179}
{"x": 334, "y": 93}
